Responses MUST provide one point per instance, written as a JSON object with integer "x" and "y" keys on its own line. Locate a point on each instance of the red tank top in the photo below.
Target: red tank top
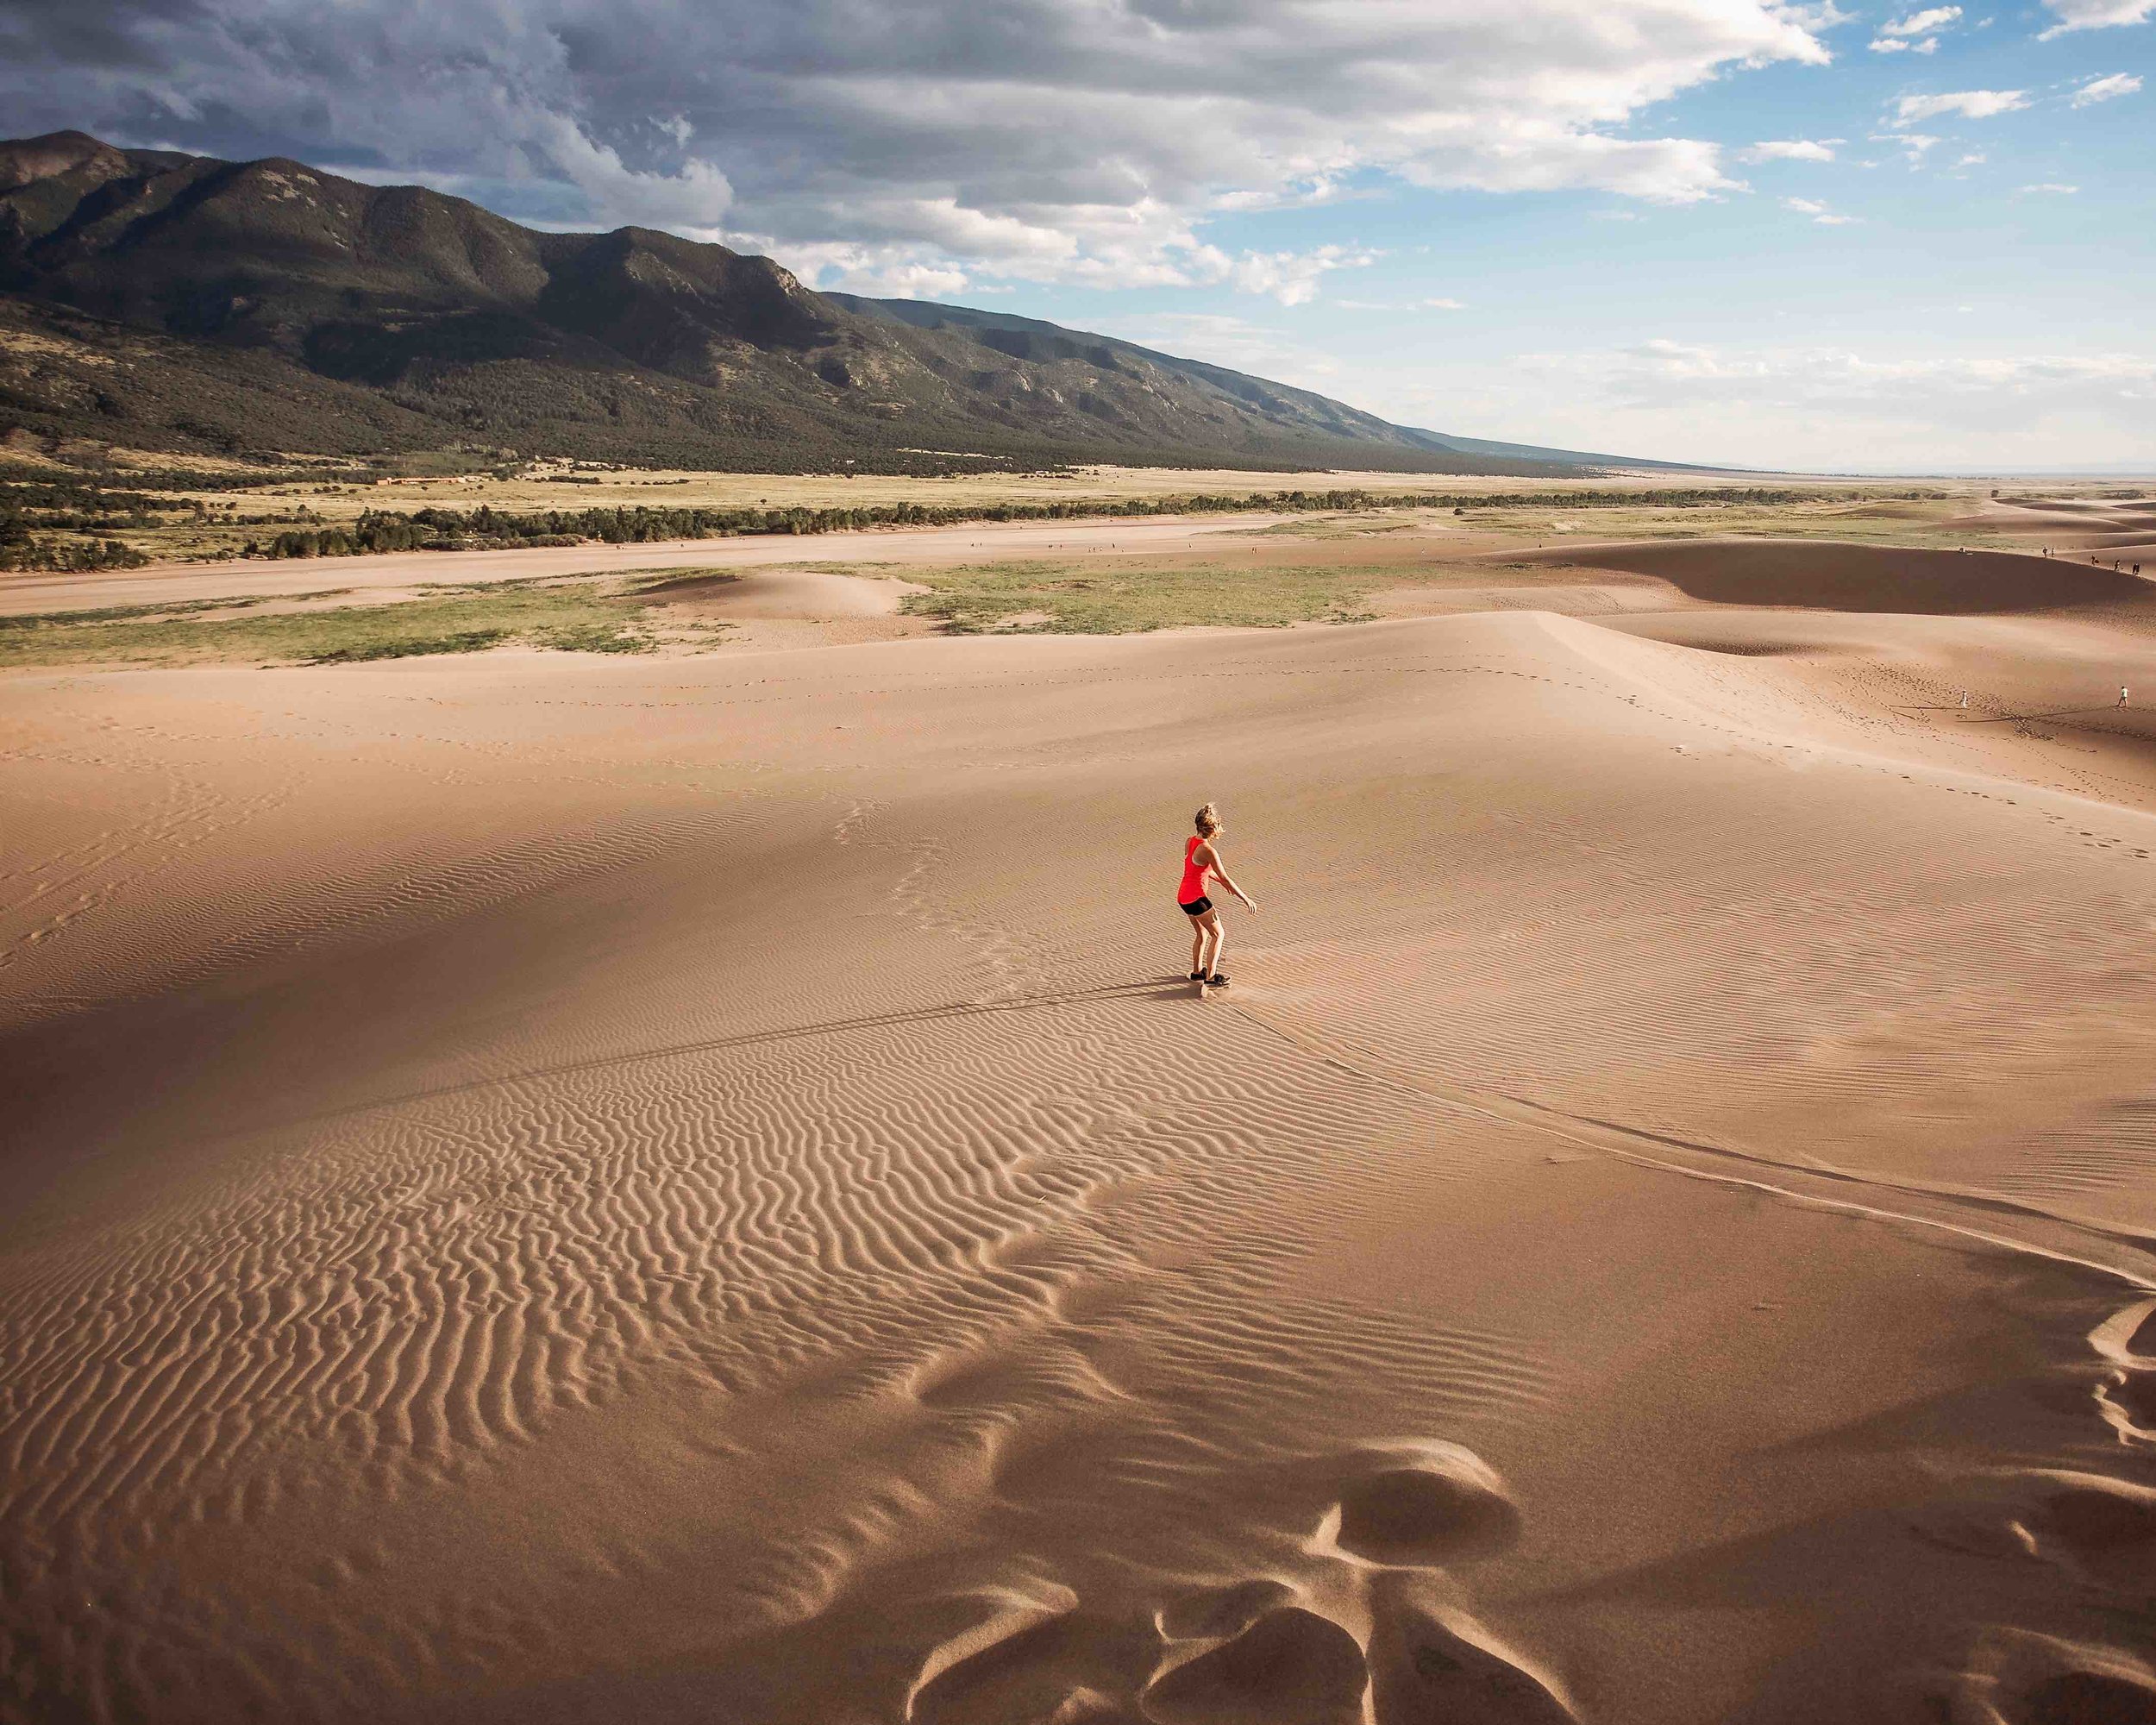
{"x": 1194, "y": 886}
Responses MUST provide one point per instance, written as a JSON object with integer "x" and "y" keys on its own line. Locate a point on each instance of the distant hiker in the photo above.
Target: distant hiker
{"x": 2122, "y": 694}
{"x": 1965, "y": 698}
{"x": 1202, "y": 857}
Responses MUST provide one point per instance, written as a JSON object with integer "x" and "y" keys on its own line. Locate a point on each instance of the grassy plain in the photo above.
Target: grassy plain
{"x": 1061, "y": 597}
{"x": 217, "y": 519}
{"x": 592, "y": 616}
{"x": 563, "y": 489}
{"x": 1938, "y": 522}
{"x": 1309, "y": 569}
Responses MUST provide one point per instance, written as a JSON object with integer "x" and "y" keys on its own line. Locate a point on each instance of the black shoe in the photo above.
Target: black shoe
{"x": 1197, "y": 976}
{"x": 1216, "y": 981}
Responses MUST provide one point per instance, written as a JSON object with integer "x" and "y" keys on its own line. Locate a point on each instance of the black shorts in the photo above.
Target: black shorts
{"x": 1197, "y": 906}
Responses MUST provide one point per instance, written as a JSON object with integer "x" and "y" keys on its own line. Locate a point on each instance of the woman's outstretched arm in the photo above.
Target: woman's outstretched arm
{"x": 1220, "y": 874}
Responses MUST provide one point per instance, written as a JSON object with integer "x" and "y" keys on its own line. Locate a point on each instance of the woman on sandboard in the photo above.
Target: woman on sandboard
{"x": 1201, "y": 857}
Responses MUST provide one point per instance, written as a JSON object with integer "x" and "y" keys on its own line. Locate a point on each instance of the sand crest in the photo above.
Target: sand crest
{"x": 810, "y": 595}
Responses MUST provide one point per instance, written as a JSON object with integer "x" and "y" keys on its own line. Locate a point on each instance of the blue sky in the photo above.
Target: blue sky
{"x": 1757, "y": 231}
{"x": 1981, "y": 291}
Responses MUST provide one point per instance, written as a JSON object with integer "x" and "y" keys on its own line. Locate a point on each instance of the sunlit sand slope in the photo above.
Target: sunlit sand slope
{"x": 539, "y": 1188}
{"x": 2099, "y": 524}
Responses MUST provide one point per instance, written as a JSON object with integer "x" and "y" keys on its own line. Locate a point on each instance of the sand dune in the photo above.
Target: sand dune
{"x": 1826, "y": 575}
{"x": 777, "y": 608}
{"x": 549, "y": 1188}
{"x": 811, "y": 595}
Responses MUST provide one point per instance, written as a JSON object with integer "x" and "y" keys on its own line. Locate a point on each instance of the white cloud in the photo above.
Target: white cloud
{"x": 693, "y": 198}
{"x": 1819, "y": 212}
{"x": 2095, "y": 15}
{"x": 1317, "y": 189}
{"x": 1400, "y": 305}
{"x": 2107, "y": 89}
{"x": 1922, "y": 24}
{"x": 893, "y": 268}
{"x": 1971, "y": 104}
{"x": 1289, "y": 277}
{"x": 1682, "y": 370}
{"x": 1793, "y": 149}
{"x": 1069, "y": 140}
{"x": 2051, "y": 188}
{"x": 1915, "y": 33}
{"x": 903, "y": 281}
{"x": 1914, "y": 145}
{"x": 1816, "y": 15}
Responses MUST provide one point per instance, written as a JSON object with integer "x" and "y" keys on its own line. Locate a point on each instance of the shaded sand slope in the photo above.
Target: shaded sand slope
{"x": 1830, "y": 576}
{"x": 555, "y": 1190}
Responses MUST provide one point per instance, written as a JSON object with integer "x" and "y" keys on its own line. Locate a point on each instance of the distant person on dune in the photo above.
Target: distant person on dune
{"x": 1201, "y": 857}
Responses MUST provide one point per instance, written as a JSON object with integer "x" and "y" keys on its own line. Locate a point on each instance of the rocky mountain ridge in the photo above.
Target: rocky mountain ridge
{"x": 170, "y": 301}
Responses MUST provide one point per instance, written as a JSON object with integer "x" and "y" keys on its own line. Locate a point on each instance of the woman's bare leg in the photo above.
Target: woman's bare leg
{"x": 1198, "y": 946}
{"x": 1217, "y": 938}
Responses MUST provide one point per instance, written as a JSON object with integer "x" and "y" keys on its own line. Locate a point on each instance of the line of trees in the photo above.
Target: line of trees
{"x": 490, "y": 529}
{"x": 65, "y": 556}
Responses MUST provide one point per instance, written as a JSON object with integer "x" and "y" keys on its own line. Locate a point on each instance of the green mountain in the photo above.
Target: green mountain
{"x": 173, "y": 302}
